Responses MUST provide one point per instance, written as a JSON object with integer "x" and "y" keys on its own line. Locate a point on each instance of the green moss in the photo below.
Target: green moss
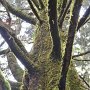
{"x": 4, "y": 82}
{"x": 74, "y": 80}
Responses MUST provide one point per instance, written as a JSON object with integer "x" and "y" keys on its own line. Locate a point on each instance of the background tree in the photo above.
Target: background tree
{"x": 49, "y": 65}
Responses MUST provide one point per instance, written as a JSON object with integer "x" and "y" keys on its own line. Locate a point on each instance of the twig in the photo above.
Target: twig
{"x": 4, "y": 51}
{"x": 81, "y": 54}
{"x": 84, "y": 81}
{"x": 86, "y": 21}
{"x": 83, "y": 19}
{"x": 81, "y": 60}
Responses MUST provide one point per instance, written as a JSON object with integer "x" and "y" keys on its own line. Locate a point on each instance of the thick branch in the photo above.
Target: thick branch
{"x": 12, "y": 33}
{"x": 21, "y": 14}
{"x": 69, "y": 44}
{"x": 17, "y": 50}
{"x": 34, "y": 11}
{"x": 81, "y": 54}
{"x": 84, "y": 17}
{"x": 14, "y": 67}
{"x": 54, "y": 28}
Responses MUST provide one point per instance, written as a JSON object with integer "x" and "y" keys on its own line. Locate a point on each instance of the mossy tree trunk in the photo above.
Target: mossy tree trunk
{"x": 48, "y": 66}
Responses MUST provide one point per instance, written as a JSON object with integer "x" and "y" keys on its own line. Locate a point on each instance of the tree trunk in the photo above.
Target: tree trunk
{"x": 49, "y": 75}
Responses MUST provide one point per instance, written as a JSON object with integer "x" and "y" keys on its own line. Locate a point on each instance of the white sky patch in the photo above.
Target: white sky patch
{"x": 28, "y": 47}
{"x": 78, "y": 34}
{"x": 24, "y": 26}
{"x": 82, "y": 11}
{"x": 79, "y": 70}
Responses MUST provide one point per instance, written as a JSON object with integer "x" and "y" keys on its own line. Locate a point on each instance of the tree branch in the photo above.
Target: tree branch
{"x": 86, "y": 21}
{"x": 81, "y": 54}
{"x": 34, "y": 11}
{"x": 69, "y": 44}
{"x": 15, "y": 67}
{"x": 54, "y": 29}
{"x": 83, "y": 19}
{"x": 20, "y": 14}
{"x": 1, "y": 44}
{"x": 84, "y": 81}
{"x": 36, "y": 3}
{"x": 4, "y": 51}
{"x": 61, "y": 18}
{"x": 41, "y": 4}
{"x": 17, "y": 50}
{"x": 81, "y": 60}
{"x": 63, "y": 7}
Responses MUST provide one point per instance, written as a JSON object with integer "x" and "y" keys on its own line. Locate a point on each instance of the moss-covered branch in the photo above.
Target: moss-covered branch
{"x": 69, "y": 44}
{"x": 14, "y": 67}
{"x": 61, "y": 18}
{"x": 41, "y": 4}
{"x": 4, "y": 84}
{"x": 36, "y": 3}
{"x": 20, "y": 14}
{"x": 17, "y": 50}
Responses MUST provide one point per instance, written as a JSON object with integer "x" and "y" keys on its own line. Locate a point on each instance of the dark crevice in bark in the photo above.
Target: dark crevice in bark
{"x": 84, "y": 17}
{"x": 54, "y": 29}
{"x": 69, "y": 44}
{"x": 61, "y": 18}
